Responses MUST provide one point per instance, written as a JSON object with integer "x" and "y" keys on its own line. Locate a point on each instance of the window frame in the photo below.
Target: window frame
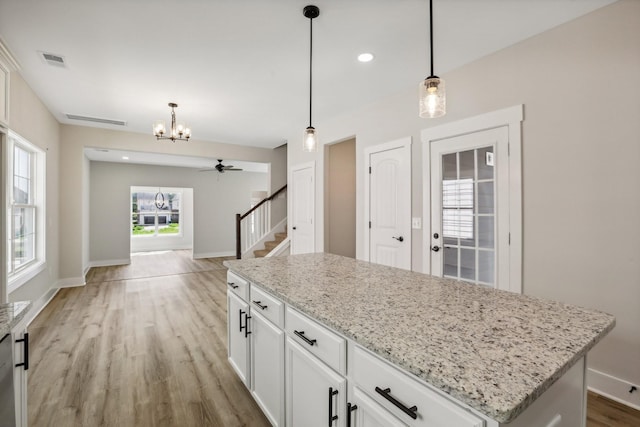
{"x": 18, "y": 276}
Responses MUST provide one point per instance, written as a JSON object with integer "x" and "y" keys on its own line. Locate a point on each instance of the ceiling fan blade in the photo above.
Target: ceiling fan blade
{"x": 207, "y": 170}
{"x": 233, "y": 169}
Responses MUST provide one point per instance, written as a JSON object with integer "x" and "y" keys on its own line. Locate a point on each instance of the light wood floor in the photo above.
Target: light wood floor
{"x": 149, "y": 351}
{"x": 145, "y": 345}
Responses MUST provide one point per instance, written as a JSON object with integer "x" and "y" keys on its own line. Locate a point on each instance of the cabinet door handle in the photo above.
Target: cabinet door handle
{"x": 307, "y": 340}
{"x": 246, "y": 325}
{"x": 332, "y": 417}
{"x": 386, "y": 393}
{"x": 25, "y": 341}
{"x": 258, "y": 303}
{"x": 350, "y": 409}
{"x": 240, "y": 320}
{"x": 233, "y": 285}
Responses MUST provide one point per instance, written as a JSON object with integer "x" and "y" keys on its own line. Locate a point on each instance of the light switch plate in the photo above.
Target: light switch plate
{"x": 416, "y": 223}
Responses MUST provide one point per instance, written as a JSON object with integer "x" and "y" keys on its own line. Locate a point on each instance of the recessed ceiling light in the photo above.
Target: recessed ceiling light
{"x": 365, "y": 57}
{"x": 125, "y": 158}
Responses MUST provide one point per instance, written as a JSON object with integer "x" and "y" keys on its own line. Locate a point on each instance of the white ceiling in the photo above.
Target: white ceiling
{"x": 238, "y": 69}
{"x": 136, "y": 157}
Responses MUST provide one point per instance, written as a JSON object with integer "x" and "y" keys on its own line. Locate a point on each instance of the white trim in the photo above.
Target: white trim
{"x": 108, "y": 263}
{"x": 213, "y": 254}
{"x": 70, "y": 282}
{"x": 8, "y": 58}
{"x": 405, "y": 144}
{"x": 613, "y": 388}
{"x": 284, "y": 248}
{"x": 36, "y": 307}
{"x": 512, "y": 118}
{"x": 23, "y": 276}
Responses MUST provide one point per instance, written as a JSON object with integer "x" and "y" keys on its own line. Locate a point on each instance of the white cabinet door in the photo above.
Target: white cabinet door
{"x": 238, "y": 332}
{"x": 267, "y": 368}
{"x": 368, "y": 413}
{"x": 315, "y": 393}
{"x": 21, "y": 365}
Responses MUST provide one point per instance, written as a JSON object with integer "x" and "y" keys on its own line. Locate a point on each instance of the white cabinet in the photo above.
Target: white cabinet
{"x": 316, "y": 394}
{"x": 21, "y": 365}
{"x": 238, "y": 336}
{"x": 267, "y": 366}
{"x": 367, "y": 413}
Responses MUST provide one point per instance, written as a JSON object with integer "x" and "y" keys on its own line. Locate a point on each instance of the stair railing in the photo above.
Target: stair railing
{"x": 255, "y": 223}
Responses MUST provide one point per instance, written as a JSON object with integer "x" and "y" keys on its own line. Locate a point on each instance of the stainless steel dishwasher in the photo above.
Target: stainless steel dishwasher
{"x": 7, "y": 396}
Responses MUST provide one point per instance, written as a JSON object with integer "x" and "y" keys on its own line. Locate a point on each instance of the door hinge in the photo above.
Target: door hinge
{"x": 369, "y": 224}
{"x": 508, "y": 149}
{"x": 369, "y": 170}
{"x": 509, "y": 238}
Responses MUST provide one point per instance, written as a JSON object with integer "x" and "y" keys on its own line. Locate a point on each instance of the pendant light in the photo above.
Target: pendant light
{"x": 432, "y": 95}
{"x": 310, "y": 140}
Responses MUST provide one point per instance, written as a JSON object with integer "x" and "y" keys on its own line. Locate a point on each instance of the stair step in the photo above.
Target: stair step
{"x": 271, "y": 244}
{"x": 260, "y": 253}
{"x": 281, "y": 236}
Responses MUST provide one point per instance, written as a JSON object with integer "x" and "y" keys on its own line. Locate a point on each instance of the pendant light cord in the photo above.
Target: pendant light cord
{"x": 310, "y": 67}
{"x": 431, "y": 33}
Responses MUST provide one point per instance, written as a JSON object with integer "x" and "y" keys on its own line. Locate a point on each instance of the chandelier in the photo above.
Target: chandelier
{"x": 178, "y": 130}
{"x": 310, "y": 140}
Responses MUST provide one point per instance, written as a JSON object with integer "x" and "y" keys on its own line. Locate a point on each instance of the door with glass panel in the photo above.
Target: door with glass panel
{"x": 470, "y": 207}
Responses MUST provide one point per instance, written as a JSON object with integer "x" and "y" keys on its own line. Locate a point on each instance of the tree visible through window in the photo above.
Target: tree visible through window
{"x": 155, "y": 213}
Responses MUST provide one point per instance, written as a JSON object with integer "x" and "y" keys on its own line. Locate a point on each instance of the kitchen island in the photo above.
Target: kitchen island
{"x": 493, "y": 352}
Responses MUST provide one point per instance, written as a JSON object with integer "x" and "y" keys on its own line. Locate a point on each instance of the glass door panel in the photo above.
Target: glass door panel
{"x": 468, "y": 202}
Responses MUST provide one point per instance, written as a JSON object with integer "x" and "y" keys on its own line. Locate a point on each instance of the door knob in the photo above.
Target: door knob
{"x": 435, "y": 248}
{"x": 399, "y": 239}
{"x": 294, "y": 228}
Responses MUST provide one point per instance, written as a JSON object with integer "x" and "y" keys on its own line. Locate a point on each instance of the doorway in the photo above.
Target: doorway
{"x": 340, "y": 198}
{"x": 388, "y": 203}
{"x": 472, "y": 200}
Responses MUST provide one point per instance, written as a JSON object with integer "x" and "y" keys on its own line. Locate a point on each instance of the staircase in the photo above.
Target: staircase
{"x": 270, "y": 245}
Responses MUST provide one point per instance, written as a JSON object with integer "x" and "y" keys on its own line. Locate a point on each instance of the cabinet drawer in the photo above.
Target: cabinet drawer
{"x": 320, "y": 341}
{"x": 238, "y": 285}
{"x": 268, "y": 306}
{"x": 395, "y": 390}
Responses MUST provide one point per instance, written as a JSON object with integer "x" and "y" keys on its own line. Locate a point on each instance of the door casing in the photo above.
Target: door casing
{"x": 511, "y": 117}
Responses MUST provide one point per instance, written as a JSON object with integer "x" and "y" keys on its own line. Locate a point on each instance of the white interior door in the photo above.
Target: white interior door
{"x": 390, "y": 204}
{"x": 470, "y": 207}
{"x": 302, "y": 209}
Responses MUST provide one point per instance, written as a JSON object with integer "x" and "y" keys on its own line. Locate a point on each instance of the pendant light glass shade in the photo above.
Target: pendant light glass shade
{"x": 310, "y": 140}
{"x": 433, "y": 99}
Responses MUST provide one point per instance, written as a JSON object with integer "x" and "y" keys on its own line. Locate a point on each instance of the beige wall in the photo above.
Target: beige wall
{"x": 75, "y": 247}
{"x": 340, "y": 198}
{"x": 581, "y": 149}
{"x": 31, "y": 120}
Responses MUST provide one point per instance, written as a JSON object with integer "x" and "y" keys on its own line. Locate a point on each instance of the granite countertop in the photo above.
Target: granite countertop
{"x": 494, "y": 350}
{"x": 10, "y": 314}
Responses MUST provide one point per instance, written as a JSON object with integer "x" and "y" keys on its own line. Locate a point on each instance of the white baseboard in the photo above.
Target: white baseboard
{"x": 109, "y": 262}
{"x": 212, "y": 254}
{"x": 70, "y": 282}
{"x": 614, "y": 388}
{"x": 38, "y": 305}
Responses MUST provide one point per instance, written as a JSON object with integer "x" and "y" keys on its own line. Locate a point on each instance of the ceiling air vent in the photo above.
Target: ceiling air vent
{"x": 53, "y": 59}
{"x": 96, "y": 120}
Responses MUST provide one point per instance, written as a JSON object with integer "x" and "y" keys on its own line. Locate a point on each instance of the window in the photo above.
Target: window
{"x": 155, "y": 213}
{"x": 26, "y": 211}
{"x": 457, "y": 208}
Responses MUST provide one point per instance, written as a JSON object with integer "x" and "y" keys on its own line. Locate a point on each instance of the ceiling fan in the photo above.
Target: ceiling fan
{"x": 220, "y": 168}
